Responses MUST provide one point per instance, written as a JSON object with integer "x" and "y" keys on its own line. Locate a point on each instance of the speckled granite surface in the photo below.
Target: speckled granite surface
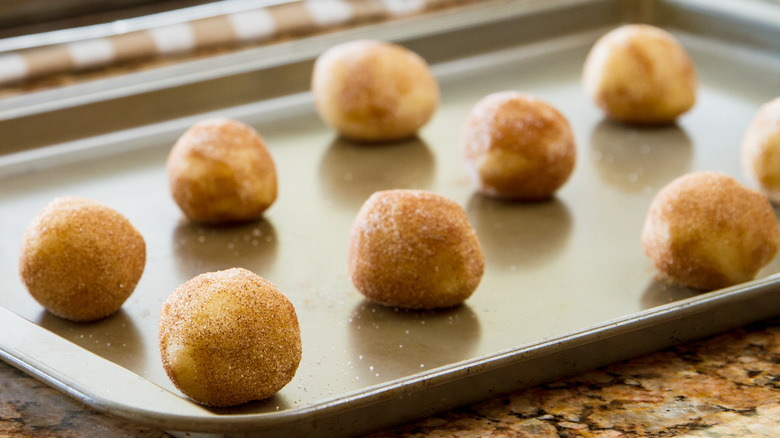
{"x": 725, "y": 386}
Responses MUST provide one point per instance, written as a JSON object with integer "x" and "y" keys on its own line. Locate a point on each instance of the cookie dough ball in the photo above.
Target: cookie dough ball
{"x": 414, "y": 249}
{"x": 220, "y": 171}
{"x": 707, "y": 231}
{"x": 640, "y": 74}
{"x": 761, "y": 150}
{"x": 516, "y": 146}
{"x": 374, "y": 91}
{"x": 229, "y": 337}
{"x": 81, "y": 259}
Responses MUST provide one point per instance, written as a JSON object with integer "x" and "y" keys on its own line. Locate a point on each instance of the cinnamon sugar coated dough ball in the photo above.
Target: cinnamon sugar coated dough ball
{"x": 220, "y": 171}
{"x": 229, "y": 337}
{"x": 374, "y": 91}
{"x": 517, "y": 146}
{"x": 707, "y": 231}
{"x": 414, "y": 249}
{"x": 640, "y": 74}
{"x": 81, "y": 259}
{"x": 761, "y": 150}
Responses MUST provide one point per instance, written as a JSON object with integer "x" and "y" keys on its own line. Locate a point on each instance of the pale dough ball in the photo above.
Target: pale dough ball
{"x": 374, "y": 91}
{"x": 640, "y": 74}
{"x": 229, "y": 337}
{"x": 414, "y": 249}
{"x": 707, "y": 231}
{"x": 761, "y": 150}
{"x": 517, "y": 146}
{"x": 81, "y": 259}
{"x": 220, "y": 171}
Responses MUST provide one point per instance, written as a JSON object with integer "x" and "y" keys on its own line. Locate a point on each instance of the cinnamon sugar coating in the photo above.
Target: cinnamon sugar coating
{"x": 640, "y": 74}
{"x": 374, "y": 91}
{"x": 220, "y": 171}
{"x": 761, "y": 150}
{"x": 229, "y": 337}
{"x": 414, "y": 249}
{"x": 81, "y": 259}
{"x": 517, "y": 146}
{"x": 707, "y": 231}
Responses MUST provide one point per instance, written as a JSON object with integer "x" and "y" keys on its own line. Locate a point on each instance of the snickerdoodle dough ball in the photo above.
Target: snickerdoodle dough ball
{"x": 707, "y": 231}
{"x": 81, "y": 259}
{"x": 229, "y": 337}
{"x": 220, "y": 171}
{"x": 374, "y": 91}
{"x": 640, "y": 74}
{"x": 761, "y": 150}
{"x": 517, "y": 146}
{"x": 414, "y": 249}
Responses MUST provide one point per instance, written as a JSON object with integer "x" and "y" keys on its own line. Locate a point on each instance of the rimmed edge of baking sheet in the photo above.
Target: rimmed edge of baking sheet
{"x": 41, "y": 353}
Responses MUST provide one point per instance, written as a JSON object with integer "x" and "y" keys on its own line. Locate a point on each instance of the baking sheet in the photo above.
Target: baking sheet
{"x": 566, "y": 288}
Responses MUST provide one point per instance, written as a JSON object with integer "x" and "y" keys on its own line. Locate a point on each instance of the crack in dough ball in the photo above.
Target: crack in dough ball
{"x": 374, "y": 91}
{"x": 640, "y": 74}
{"x": 220, "y": 171}
{"x": 707, "y": 231}
{"x": 761, "y": 150}
{"x": 81, "y": 259}
{"x": 229, "y": 337}
{"x": 517, "y": 146}
{"x": 414, "y": 249}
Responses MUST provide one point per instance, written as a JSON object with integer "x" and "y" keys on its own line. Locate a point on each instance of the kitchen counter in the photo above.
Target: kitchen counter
{"x": 724, "y": 386}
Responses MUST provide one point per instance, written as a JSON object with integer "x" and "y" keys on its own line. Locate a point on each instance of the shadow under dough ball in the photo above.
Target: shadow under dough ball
{"x": 81, "y": 259}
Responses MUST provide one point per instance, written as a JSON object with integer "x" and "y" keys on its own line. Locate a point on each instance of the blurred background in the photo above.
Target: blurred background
{"x": 24, "y": 17}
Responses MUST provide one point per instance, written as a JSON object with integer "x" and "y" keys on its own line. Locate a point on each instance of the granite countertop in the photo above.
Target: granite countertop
{"x": 724, "y": 386}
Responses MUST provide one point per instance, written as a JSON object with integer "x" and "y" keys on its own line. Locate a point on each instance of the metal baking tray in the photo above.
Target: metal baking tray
{"x": 567, "y": 287}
